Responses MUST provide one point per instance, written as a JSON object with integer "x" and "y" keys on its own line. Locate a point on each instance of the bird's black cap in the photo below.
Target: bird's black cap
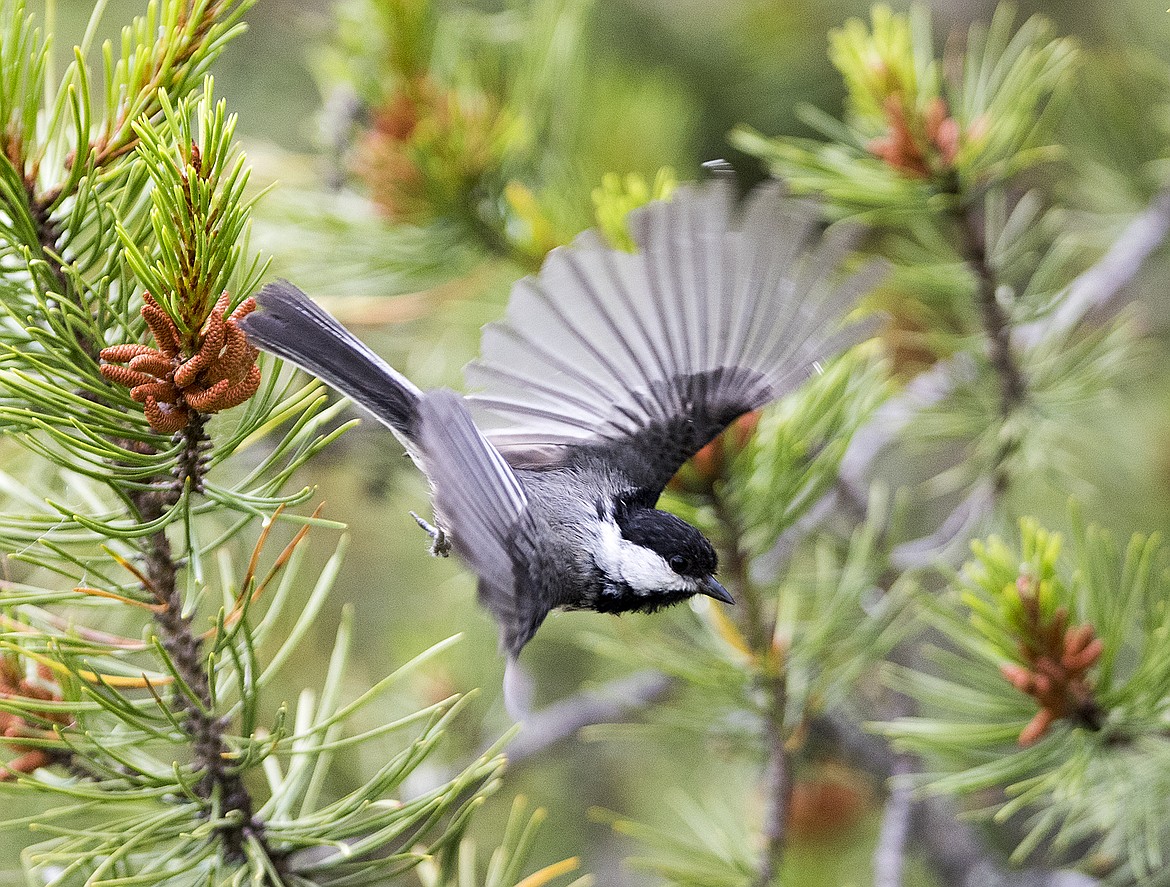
{"x": 683, "y": 547}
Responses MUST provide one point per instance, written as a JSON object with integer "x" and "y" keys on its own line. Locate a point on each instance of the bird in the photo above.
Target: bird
{"x": 608, "y": 371}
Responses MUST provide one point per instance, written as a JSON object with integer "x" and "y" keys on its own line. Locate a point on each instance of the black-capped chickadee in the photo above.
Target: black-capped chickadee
{"x": 609, "y": 371}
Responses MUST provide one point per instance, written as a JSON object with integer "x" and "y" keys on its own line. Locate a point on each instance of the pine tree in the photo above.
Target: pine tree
{"x": 1019, "y": 675}
{"x": 154, "y": 556}
{"x": 1000, "y": 332}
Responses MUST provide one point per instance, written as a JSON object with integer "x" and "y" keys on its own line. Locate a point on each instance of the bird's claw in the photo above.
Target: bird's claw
{"x": 440, "y": 544}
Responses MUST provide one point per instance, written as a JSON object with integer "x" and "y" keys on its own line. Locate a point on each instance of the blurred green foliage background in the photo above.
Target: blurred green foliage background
{"x": 710, "y": 66}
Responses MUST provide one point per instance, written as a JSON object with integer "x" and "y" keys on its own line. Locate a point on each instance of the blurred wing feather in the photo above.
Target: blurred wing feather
{"x": 480, "y": 503}
{"x": 648, "y": 356}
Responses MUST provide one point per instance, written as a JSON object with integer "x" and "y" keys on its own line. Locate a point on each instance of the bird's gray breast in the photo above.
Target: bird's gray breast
{"x": 565, "y": 508}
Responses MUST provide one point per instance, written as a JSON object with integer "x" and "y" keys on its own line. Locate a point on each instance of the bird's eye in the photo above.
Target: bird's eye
{"x": 679, "y": 564}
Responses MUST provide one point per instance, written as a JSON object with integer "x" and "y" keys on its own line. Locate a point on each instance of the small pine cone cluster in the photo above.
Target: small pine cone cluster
{"x": 462, "y": 139}
{"x": 1056, "y": 659}
{"x": 14, "y": 726}
{"x": 221, "y": 373}
{"x": 901, "y": 147}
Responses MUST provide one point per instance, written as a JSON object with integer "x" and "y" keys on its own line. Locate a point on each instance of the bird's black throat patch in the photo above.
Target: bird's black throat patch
{"x": 620, "y": 598}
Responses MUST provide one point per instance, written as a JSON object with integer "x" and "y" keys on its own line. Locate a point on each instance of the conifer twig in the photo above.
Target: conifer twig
{"x": 161, "y": 570}
{"x": 777, "y": 783}
{"x": 1096, "y": 291}
{"x": 890, "y": 856}
{"x": 611, "y": 703}
{"x": 996, "y": 324}
{"x": 219, "y": 786}
{"x": 949, "y": 845}
{"x": 185, "y": 648}
{"x": 759, "y": 629}
{"x": 1013, "y": 388}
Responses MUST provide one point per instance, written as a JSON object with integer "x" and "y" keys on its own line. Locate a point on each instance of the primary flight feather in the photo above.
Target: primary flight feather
{"x": 608, "y": 371}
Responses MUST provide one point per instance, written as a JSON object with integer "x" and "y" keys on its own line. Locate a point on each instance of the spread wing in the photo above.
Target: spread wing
{"x": 644, "y": 358}
{"x": 482, "y": 505}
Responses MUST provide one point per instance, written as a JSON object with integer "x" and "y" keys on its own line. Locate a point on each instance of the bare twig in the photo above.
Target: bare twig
{"x": 960, "y": 859}
{"x": 1095, "y": 294}
{"x": 777, "y": 782}
{"x": 871, "y": 441}
{"x": 950, "y": 846}
{"x": 949, "y": 541}
{"x": 614, "y": 702}
{"x": 890, "y": 854}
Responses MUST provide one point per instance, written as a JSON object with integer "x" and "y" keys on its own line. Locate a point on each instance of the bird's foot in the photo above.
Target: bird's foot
{"x": 440, "y": 544}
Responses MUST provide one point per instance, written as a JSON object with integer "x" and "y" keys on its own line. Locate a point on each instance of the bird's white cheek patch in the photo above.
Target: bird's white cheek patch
{"x": 639, "y": 568}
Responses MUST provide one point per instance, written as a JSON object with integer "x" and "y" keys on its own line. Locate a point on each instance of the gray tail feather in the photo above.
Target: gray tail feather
{"x": 293, "y": 327}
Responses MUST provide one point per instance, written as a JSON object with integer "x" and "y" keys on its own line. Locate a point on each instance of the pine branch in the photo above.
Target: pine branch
{"x": 174, "y": 68}
{"x": 150, "y": 501}
{"x": 959, "y": 856}
{"x": 759, "y": 630}
{"x": 48, "y": 234}
{"x": 996, "y": 324}
{"x": 183, "y": 645}
{"x": 1094, "y": 293}
{"x": 171, "y": 66}
{"x": 169, "y": 767}
{"x": 948, "y": 844}
{"x": 185, "y": 648}
{"x": 1089, "y": 294}
{"x": 778, "y": 782}
{"x": 1097, "y": 292}
{"x": 970, "y": 226}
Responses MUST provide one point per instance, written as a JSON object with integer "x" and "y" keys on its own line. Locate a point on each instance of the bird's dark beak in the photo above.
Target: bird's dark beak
{"x": 712, "y": 588}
